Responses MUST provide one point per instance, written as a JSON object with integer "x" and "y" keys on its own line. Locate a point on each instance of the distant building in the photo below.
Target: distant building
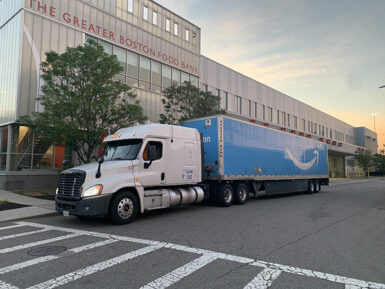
{"x": 156, "y": 48}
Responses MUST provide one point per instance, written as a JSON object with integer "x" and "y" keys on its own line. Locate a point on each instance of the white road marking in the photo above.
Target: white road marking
{"x": 264, "y": 279}
{"x": 4, "y": 285}
{"x": 23, "y": 234}
{"x": 179, "y": 273}
{"x": 352, "y": 287}
{"x": 11, "y": 227}
{"x": 93, "y": 245}
{"x": 39, "y": 260}
{"x": 25, "y": 264}
{"x": 75, "y": 275}
{"x": 288, "y": 269}
{"x": 20, "y": 247}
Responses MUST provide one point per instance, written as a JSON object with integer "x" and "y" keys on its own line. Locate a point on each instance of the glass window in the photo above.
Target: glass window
{"x": 154, "y": 17}
{"x": 154, "y": 146}
{"x": 264, "y": 112}
{"x": 167, "y": 24}
{"x": 194, "y": 80}
{"x": 283, "y": 118}
{"x": 185, "y": 77}
{"x": 122, "y": 150}
{"x": 288, "y": 120}
{"x": 4, "y": 139}
{"x": 132, "y": 64}
{"x": 295, "y": 122}
{"x": 145, "y": 13}
{"x": 255, "y": 110}
{"x": 121, "y": 55}
{"x": 226, "y": 100}
{"x": 206, "y": 87}
{"x": 250, "y": 108}
{"x": 107, "y": 47}
{"x": 130, "y": 6}
{"x": 187, "y": 35}
{"x": 278, "y": 113}
{"x": 166, "y": 76}
{"x": 155, "y": 72}
{"x": 175, "y": 77}
{"x": 303, "y": 125}
{"x": 145, "y": 69}
{"x": 238, "y": 104}
{"x": 176, "y": 29}
{"x": 218, "y": 92}
{"x": 270, "y": 114}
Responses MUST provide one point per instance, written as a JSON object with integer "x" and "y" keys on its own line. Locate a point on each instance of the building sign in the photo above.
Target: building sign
{"x": 103, "y": 32}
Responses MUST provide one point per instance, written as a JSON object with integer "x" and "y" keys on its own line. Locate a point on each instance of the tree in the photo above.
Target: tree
{"x": 188, "y": 101}
{"x": 379, "y": 162}
{"x": 81, "y": 100}
{"x": 364, "y": 159}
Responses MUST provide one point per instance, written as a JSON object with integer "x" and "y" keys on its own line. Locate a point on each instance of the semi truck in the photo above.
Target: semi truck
{"x": 219, "y": 158}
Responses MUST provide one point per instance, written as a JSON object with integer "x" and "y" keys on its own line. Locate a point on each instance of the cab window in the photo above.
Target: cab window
{"x": 156, "y": 147}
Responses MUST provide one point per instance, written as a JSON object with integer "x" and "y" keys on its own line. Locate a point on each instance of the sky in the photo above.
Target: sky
{"x": 329, "y": 54}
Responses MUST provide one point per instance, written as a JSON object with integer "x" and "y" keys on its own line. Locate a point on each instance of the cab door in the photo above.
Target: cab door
{"x": 152, "y": 164}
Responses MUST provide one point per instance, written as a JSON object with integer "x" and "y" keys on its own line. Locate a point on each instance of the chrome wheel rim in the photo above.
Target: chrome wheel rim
{"x": 242, "y": 194}
{"x": 125, "y": 208}
{"x": 228, "y": 196}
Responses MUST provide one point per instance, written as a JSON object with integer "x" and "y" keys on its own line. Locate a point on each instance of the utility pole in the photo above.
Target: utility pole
{"x": 374, "y": 114}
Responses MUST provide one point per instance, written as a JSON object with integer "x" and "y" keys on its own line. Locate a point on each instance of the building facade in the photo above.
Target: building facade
{"x": 156, "y": 48}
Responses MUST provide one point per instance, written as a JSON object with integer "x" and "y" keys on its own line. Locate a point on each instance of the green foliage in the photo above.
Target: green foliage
{"x": 379, "y": 162}
{"x": 364, "y": 159}
{"x": 82, "y": 101}
{"x": 186, "y": 102}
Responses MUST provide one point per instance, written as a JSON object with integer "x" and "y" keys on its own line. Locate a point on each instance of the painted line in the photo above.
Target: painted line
{"x": 75, "y": 275}
{"x": 40, "y": 260}
{"x": 93, "y": 245}
{"x": 20, "y": 247}
{"x": 352, "y": 287}
{"x": 179, "y": 273}
{"x": 320, "y": 275}
{"x": 11, "y": 227}
{"x": 264, "y": 279}
{"x": 23, "y": 234}
{"x": 239, "y": 259}
{"x": 4, "y": 285}
{"x": 93, "y": 234}
{"x": 25, "y": 264}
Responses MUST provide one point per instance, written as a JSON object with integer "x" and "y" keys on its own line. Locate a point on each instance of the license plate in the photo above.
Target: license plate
{"x": 66, "y": 213}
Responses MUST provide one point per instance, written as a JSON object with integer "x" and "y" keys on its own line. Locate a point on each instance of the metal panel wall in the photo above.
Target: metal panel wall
{"x": 10, "y": 35}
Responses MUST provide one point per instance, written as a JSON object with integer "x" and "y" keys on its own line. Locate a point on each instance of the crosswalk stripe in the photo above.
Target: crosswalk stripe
{"x": 20, "y": 247}
{"x": 4, "y": 285}
{"x": 352, "y": 287}
{"x": 180, "y": 273}
{"x": 75, "y": 275}
{"x": 93, "y": 245}
{"x": 264, "y": 279}
{"x": 25, "y": 264}
{"x": 23, "y": 234}
{"x": 11, "y": 227}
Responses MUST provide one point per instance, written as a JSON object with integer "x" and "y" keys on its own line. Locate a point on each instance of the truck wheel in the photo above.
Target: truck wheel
{"x": 317, "y": 186}
{"x": 123, "y": 208}
{"x": 241, "y": 193}
{"x": 311, "y": 188}
{"x": 225, "y": 195}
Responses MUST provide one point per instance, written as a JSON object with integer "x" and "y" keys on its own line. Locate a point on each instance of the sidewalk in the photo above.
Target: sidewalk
{"x": 37, "y": 207}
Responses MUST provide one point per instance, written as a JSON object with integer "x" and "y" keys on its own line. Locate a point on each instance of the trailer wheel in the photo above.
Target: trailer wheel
{"x": 317, "y": 186}
{"x": 225, "y": 195}
{"x": 311, "y": 188}
{"x": 123, "y": 208}
{"x": 241, "y": 193}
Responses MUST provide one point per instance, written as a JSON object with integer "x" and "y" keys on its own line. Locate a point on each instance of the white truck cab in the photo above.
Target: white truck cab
{"x": 144, "y": 167}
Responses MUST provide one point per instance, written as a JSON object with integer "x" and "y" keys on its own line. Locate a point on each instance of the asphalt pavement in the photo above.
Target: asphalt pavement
{"x": 332, "y": 239}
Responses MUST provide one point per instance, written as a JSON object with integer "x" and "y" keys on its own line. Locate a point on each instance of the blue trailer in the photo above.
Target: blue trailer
{"x": 249, "y": 158}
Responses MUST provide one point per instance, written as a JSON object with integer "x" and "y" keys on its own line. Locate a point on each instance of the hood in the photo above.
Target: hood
{"x": 106, "y": 168}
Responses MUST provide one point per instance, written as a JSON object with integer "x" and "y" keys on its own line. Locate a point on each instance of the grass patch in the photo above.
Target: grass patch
{"x": 4, "y": 202}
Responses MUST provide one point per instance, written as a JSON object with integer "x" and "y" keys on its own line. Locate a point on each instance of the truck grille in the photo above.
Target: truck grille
{"x": 70, "y": 184}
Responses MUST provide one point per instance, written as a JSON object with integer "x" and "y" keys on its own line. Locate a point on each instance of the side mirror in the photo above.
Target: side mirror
{"x": 65, "y": 163}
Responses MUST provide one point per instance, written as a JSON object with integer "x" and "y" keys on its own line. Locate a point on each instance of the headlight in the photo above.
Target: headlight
{"x": 57, "y": 191}
{"x": 93, "y": 191}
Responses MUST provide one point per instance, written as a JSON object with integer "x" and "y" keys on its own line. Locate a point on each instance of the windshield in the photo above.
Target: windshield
{"x": 122, "y": 150}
